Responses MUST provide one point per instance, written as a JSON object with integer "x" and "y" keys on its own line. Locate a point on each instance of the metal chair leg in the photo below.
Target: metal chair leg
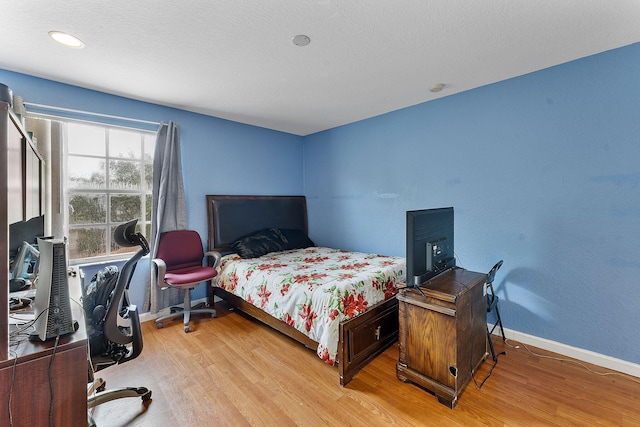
{"x": 493, "y": 351}
{"x": 500, "y": 323}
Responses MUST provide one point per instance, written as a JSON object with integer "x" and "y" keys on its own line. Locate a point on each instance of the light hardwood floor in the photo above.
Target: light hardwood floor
{"x": 232, "y": 371}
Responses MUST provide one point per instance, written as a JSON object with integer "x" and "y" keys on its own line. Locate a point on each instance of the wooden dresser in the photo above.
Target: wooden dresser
{"x": 39, "y": 385}
{"x": 442, "y": 333}
{"x": 47, "y": 385}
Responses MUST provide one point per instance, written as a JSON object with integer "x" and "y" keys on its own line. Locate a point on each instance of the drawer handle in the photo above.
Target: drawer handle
{"x": 377, "y": 333}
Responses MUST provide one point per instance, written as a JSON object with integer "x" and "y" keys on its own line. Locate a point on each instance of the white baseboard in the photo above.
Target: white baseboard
{"x": 573, "y": 352}
{"x": 146, "y": 317}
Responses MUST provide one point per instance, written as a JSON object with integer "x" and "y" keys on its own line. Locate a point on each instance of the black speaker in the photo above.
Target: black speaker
{"x": 52, "y": 305}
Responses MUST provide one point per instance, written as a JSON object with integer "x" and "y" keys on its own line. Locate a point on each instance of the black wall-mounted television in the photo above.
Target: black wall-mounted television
{"x": 429, "y": 244}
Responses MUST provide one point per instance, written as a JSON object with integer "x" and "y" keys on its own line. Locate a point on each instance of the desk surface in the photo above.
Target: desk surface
{"x": 448, "y": 286}
{"x": 20, "y": 346}
{"x": 59, "y": 381}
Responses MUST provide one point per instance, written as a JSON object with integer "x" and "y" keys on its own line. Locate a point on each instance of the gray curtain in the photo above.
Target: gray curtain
{"x": 169, "y": 208}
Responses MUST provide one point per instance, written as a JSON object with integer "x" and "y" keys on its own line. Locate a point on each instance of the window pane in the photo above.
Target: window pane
{"x": 149, "y": 145}
{"x": 148, "y": 174}
{"x": 109, "y": 181}
{"x": 87, "y": 242}
{"x": 86, "y": 139}
{"x": 125, "y": 144}
{"x": 148, "y": 208}
{"x": 124, "y": 175}
{"x": 86, "y": 173}
{"x": 87, "y": 209}
{"x": 125, "y": 207}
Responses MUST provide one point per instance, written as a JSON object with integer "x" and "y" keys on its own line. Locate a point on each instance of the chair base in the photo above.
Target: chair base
{"x": 180, "y": 312}
{"x": 97, "y": 395}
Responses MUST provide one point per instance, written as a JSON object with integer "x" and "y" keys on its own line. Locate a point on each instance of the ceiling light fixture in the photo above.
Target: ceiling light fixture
{"x": 301, "y": 40}
{"x": 66, "y": 39}
{"x": 436, "y": 87}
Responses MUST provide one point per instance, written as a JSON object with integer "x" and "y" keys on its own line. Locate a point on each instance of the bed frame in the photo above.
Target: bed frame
{"x": 361, "y": 339}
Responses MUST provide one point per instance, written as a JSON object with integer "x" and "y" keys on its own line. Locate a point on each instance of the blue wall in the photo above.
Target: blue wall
{"x": 215, "y": 152}
{"x": 543, "y": 171}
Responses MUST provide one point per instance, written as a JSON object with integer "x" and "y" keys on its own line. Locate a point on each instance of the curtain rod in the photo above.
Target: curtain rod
{"x": 89, "y": 113}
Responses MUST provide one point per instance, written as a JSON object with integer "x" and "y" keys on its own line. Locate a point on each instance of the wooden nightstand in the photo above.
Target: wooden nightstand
{"x": 443, "y": 333}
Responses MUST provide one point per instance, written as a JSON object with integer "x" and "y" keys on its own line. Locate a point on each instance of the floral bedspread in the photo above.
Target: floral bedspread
{"x": 313, "y": 289}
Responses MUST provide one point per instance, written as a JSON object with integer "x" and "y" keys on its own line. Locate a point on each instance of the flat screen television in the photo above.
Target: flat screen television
{"x": 429, "y": 244}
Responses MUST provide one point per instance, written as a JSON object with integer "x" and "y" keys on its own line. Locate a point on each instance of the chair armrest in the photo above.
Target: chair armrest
{"x": 136, "y": 334}
{"x": 130, "y": 335}
{"x": 215, "y": 255}
{"x": 161, "y": 269}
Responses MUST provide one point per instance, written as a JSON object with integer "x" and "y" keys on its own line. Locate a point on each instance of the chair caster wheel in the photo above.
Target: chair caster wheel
{"x": 186, "y": 328}
{"x": 159, "y": 325}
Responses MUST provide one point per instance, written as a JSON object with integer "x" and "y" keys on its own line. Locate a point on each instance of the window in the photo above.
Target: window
{"x": 108, "y": 181}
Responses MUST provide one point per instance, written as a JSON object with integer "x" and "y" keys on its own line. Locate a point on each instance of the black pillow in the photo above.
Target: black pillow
{"x": 296, "y": 239}
{"x": 260, "y": 243}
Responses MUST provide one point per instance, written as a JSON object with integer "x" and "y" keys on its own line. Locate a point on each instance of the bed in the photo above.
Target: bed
{"x": 340, "y": 304}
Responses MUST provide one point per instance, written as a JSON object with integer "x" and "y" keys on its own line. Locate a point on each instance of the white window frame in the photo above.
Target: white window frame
{"x": 144, "y": 224}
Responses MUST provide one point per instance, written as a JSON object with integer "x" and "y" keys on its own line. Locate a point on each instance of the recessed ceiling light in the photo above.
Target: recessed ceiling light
{"x": 66, "y": 39}
{"x": 436, "y": 87}
{"x": 301, "y": 40}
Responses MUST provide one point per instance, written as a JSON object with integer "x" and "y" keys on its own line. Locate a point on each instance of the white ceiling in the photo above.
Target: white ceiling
{"x": 235, "y": 58}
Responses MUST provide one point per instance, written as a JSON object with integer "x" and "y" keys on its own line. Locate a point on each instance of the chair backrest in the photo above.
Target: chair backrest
{"x": 492, "y": 298}
{"x": 492, "y": 273}
{"x": 120, "y": 312}
{"x": 124, "y": 235}
{"x": 180, "y": 249}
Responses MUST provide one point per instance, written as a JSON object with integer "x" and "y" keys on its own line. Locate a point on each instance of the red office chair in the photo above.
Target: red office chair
{"x": 179, "y": 264}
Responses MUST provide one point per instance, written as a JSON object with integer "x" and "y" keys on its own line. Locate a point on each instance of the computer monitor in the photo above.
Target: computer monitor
{"x": 429, "y": 244}
{"x": 24, "y": 231}
{"x": 23, "y": 251}
{"x": 25, "y": 263}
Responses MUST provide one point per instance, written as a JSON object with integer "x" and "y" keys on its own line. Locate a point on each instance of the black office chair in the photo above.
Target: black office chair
{"x": 492, "y": 305}
{"x": 113, "y": 324}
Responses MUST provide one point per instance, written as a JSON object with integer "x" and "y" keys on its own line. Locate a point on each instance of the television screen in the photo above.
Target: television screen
{"x": 429, "y": 244}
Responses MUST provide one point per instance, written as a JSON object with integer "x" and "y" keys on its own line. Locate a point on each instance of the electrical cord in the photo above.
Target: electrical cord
{"x": 14, "y": 342}
{"x": 17, "y": 336}
{"x": 13, "y": 335}
{"x": 13, "y": 380}
{"x": 90, "y": 366}
{"x": 495, "y": 363}
{"x": 53, "y": 355}
{"x": 575, "y": 362}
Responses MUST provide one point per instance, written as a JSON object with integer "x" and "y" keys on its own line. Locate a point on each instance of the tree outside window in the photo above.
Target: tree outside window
{"x": 109, "y": 181}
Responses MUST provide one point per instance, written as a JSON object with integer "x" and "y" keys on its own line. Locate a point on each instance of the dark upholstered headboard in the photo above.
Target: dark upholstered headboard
{"x": 233, "y": 217}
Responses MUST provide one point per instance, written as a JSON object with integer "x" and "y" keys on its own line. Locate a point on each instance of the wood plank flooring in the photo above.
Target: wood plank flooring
{"x": 233, "y": 371}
